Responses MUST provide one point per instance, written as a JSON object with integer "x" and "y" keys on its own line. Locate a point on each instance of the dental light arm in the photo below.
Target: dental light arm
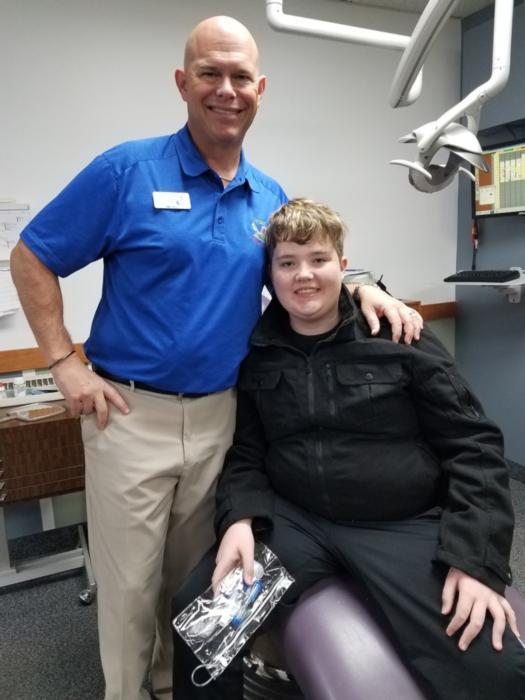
{"x": 293, "y": 24}
{"x": 470, "y": 106}
{"x": 446, "y": 132}
{"x": 433, "y": 18}
{"x": 458, "y": 138}
{"x": 330, "y": 30}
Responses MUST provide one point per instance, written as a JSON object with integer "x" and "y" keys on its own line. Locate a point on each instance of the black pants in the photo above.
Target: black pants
{"x": 393, "y": 561}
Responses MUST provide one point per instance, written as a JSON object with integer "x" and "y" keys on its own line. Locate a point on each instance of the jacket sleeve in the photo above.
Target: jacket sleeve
{"x": 244, "y": 490}
{"x": 477, "y": 522}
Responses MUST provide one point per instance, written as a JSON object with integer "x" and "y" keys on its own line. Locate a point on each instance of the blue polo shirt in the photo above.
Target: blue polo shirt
{"x": 181, "y": 288}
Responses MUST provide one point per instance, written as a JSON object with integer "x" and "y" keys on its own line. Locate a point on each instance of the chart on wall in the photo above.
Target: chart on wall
{"x": 13, "y": 217}
{"x": 501, "y": 190}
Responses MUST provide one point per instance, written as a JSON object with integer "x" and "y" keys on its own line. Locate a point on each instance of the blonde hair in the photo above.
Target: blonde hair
{"x": 303, "y": 220}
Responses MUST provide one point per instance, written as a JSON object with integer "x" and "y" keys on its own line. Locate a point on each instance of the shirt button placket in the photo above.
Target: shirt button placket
{"x": 218, "y": 224}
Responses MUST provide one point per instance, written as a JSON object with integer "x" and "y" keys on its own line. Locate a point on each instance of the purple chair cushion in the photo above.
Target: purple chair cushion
{"x": 517, "y": 600}
{"x": 337, "y": 648}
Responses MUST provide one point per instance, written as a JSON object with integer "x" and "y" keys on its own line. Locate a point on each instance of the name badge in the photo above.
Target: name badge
{"x": 171, "y": 200}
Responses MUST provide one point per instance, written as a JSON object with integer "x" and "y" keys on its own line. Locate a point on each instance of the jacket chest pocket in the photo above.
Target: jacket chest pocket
{"x": 368, "y": 393}
{"x": 275, "y": 393}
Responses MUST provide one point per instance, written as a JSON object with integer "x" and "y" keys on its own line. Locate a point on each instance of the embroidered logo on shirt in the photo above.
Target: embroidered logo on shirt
{"x": 259, "y": 231}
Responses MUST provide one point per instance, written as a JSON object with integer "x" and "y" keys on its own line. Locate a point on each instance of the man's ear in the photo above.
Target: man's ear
{"x": 261, "y": 87}
{"x": 180, "y": 80}
{"x": 344, "y": 263}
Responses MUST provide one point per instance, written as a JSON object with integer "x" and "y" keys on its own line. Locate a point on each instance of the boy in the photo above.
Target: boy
{"x": 356, "y": 455}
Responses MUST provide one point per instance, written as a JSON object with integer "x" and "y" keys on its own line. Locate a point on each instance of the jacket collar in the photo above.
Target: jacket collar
{"x": 193, "y": 164}
{"x": 273, "y": 326}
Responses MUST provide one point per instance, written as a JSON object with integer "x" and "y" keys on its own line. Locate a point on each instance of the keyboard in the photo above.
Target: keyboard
{"x": 484, "y": 276}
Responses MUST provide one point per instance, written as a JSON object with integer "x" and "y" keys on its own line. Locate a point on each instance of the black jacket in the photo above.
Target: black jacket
{"x": 367, "y": 429}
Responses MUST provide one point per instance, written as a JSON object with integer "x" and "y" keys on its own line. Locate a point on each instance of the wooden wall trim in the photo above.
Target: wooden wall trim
{"x": 27, "y": 358}
{"x": 30, "y": 358}
{"x": 433, "y": 312}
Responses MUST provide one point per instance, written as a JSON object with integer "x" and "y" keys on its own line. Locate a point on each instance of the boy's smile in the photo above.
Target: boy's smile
{"x": 307, "y": 280}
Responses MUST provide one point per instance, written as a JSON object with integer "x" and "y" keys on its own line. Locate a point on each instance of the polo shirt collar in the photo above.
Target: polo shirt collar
{"x": 194, "y": 165}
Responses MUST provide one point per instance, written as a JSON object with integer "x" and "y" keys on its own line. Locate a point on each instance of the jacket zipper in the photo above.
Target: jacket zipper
{"x": 318, "y": 455}
{"x": 330, "y": 382}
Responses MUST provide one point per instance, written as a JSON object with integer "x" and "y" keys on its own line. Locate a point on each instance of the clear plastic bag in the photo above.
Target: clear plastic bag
{"x": 216, "y": 627}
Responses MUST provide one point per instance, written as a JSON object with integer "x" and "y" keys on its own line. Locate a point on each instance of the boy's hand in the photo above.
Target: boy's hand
{"x": 237, "y": 547}
{"x": 375, "y": 304}
{"x": 474, "y": 599}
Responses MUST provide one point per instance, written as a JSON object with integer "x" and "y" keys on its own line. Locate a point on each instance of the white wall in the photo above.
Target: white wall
{"x": 78, "y": 76}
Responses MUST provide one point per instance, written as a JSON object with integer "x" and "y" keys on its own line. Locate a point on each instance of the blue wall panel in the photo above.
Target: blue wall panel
{"x": 490, "y": 331}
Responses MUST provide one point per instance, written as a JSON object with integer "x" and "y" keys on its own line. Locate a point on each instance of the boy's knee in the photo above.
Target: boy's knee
{"x": 508, "y": 668}
{"x": 497, "y": 674}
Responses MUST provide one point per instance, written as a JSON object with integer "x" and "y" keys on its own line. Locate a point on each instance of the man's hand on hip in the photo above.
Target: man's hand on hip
{"x": 85, "y": 392}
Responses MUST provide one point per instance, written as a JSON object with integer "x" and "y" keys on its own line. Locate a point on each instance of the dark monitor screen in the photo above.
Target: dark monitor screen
{"x": 501, "y": 190}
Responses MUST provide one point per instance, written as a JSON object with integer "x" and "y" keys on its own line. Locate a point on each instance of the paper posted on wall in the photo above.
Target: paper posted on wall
{"x": 9, "y": 302}
{"x": 13, "y": 217}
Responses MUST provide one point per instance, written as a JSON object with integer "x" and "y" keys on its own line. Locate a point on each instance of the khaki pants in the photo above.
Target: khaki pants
{"x": 150, "y": 487}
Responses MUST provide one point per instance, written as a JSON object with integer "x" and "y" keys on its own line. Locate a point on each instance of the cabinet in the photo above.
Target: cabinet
{"x": 39, "y": 460}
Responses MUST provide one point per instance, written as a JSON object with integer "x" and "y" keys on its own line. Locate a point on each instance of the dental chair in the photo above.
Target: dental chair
{"x": 337, "y": 647}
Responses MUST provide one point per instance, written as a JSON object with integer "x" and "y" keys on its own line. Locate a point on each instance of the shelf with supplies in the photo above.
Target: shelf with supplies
{"x": 511, "y": 288}
{"x": 39, "y": 459}
{"x": 19, "y": 385}
{"x": 27, "y": 387}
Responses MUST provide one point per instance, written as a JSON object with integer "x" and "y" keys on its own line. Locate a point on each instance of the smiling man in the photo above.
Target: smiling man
{"x": 177, "y": 221}
{"x": 222, "y": 88}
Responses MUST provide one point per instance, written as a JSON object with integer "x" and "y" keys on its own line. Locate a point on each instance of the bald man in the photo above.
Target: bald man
{"x": 179, "y": 223}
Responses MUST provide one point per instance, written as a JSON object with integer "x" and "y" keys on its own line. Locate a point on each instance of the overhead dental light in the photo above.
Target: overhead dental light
{"x": 455, "y": 131}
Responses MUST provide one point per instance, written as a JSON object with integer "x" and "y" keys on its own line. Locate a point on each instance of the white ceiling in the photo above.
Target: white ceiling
{"x": 464, "y": 8}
